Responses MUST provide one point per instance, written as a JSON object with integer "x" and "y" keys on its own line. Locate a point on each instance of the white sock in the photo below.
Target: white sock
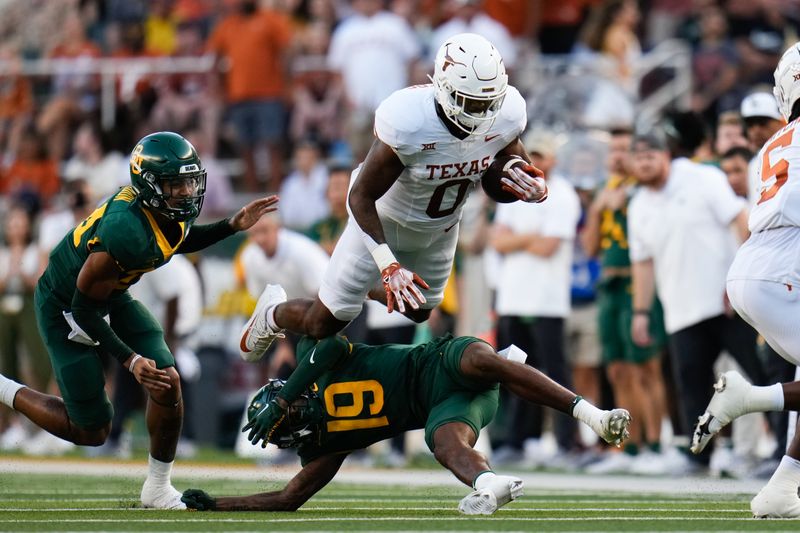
{"x": 271, "y": 319}
{"x": 8, "y": 390}
{"x": 159, "y": 472}
{"x": 587, "y": 413}
{"x": 787, "y": 474}
{"x": 483, "y": 480}
{"x": 770, "y": 398}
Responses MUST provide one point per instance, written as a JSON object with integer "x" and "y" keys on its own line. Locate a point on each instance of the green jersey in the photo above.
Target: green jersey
{"x": 122, "y": 228}
{"x": 614, "y": 230}
{"x": 371, "y": 393}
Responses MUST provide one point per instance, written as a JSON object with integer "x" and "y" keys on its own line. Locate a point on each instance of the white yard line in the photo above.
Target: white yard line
{"x": 422, "y": 478}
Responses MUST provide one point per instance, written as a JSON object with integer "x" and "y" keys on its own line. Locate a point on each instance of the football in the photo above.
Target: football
{"x": 490, "y": 181}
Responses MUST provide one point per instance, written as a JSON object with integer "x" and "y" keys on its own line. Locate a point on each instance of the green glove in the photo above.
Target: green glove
{"x": 264, "y": 423}
{"x": 198, "y": 500}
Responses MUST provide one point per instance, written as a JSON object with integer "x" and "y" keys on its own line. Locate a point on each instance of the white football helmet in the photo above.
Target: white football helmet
{"x": 469, "y": 81}
{"x": 787, "y": 80}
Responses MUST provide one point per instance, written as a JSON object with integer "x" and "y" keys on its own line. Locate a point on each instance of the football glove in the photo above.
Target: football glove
{"x": 264, "y": 423}
{"x": 526, "y": 182}
{"x": 400, "y": 285}
{"x": 198, "y": 500}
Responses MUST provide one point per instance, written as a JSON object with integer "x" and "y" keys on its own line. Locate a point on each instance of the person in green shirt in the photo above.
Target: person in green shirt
{"x": 83, "y": 306}
{"x": 344, "y": 397}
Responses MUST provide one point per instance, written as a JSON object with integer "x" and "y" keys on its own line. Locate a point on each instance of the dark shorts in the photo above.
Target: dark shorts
{"x": 615, "y": 313}
{"x": 258, "y": 121}
{"x": 456, "y": 398}
{"x": 77, "y": 367}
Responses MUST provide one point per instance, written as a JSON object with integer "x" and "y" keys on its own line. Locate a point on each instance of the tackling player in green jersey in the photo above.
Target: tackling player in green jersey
{"x": 343, "y": 397}
{"x": 83, "y": 306}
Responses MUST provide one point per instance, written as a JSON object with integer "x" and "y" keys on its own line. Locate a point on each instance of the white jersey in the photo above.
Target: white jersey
{"x": 778, "y": 198}
{"x": 770, "y": 254}
{"x": 440, "y": 169}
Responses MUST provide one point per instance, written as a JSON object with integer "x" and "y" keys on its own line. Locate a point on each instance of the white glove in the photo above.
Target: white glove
{"x": 523, "y": 185}
{"x": 400, "y": 285}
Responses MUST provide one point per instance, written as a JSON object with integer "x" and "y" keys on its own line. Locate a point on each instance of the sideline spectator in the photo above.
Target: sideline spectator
{"x": 373, "y": 50}
{"x": 105, "y": 170}
{"x": 252, "y": 43}
{"x": 537, "y": 242}
{"x": 633, "y": 371}
{"x": 679, "y": 230}
{"x": 302, "y": 193}
{"x": 32, "y": 172}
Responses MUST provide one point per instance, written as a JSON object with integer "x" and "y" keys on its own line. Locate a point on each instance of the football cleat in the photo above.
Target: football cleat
{"x": 729, "y": 402}
{"x": 256, "y": 335}
{"x": 159, "y": 496}
{"x": 613, "y": 426}
{"x": 500, "y": 491}
{"x": 776, "y": 501}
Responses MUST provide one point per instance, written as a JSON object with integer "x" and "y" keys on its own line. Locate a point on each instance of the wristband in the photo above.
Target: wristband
{"x": 641, "y": 312}
{"x": 133, "y": 362}
{"x": 575, "y": 401}
{"x": 383, "y": 256}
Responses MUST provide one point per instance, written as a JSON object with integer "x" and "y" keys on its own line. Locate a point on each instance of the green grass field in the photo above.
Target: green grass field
{"x": 39, "y": 502}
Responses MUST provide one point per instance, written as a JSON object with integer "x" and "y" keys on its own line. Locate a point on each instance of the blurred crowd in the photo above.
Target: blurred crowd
{"x": 288, "y": 107}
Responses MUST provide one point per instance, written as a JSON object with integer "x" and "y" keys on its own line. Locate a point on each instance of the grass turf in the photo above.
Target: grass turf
{"x": 35, "y": 502}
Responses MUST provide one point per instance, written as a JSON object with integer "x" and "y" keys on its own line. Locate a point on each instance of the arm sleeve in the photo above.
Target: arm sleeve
{"x": 314, "y": 359}
{"x": 88, "y": 314}
{"x": 205, "y": 235}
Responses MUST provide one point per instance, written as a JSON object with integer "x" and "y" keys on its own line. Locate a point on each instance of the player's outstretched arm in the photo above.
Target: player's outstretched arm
{"x": 303, "y": 486}
{"x": 204, "y": 235}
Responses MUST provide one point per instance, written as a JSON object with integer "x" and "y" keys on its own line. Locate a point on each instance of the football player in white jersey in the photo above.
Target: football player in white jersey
{"x": 433, "y": 144}
{"x": 764, "y": 287}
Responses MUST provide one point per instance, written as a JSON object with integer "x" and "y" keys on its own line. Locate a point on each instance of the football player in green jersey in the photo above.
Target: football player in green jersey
{"x": 83, "y": 306}
{"x": 343, "y": 397}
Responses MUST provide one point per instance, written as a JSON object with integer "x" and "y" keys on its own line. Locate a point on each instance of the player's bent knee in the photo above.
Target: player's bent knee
{"x": 171, "y": 396}
{"x": 481, "y": 361}
{"x": 91, "y": 437}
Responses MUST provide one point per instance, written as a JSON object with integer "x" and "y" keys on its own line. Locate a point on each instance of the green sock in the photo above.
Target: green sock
{"x": 655, "y": 447}
{"x": 631, "y": 448}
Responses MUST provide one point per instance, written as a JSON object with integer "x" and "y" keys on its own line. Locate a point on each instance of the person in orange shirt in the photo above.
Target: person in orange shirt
{"x": 253, "y": 43}
{"x": 32, "y": 171}
{"x": 16, "y": 102}
{"x": 74, "y": 92}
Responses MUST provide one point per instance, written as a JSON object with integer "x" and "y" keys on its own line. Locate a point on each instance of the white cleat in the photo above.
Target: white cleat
{"x": 613, "y": 426}
{"x": 161, "y": 497}
{"x": 728, "y": 402}
{"x": 774, "y": 501}
{"x": 256, "y": 335}
{"x": 489, "y": 499}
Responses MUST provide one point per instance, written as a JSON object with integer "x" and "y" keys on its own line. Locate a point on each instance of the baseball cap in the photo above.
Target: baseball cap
{"x": 649, "y": 140}
{"x": 540, "y": 142}
{"x": 760, "y": 104}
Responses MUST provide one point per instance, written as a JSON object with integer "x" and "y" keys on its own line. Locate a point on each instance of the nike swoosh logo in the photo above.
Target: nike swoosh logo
{"x": 242, "y": 343}
{"x": 311, "y": 360}
{"x": 451, "y": 227}
{"x": 490, "y": 137}
{"x": 261, "y": 411}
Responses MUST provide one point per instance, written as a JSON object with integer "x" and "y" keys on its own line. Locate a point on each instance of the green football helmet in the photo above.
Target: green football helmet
{"x": 165, "y": 162}
{"x": 303, "y": 418}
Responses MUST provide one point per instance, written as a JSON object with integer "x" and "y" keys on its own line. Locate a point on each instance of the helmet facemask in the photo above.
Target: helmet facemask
{"x": 178, "y": 198}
